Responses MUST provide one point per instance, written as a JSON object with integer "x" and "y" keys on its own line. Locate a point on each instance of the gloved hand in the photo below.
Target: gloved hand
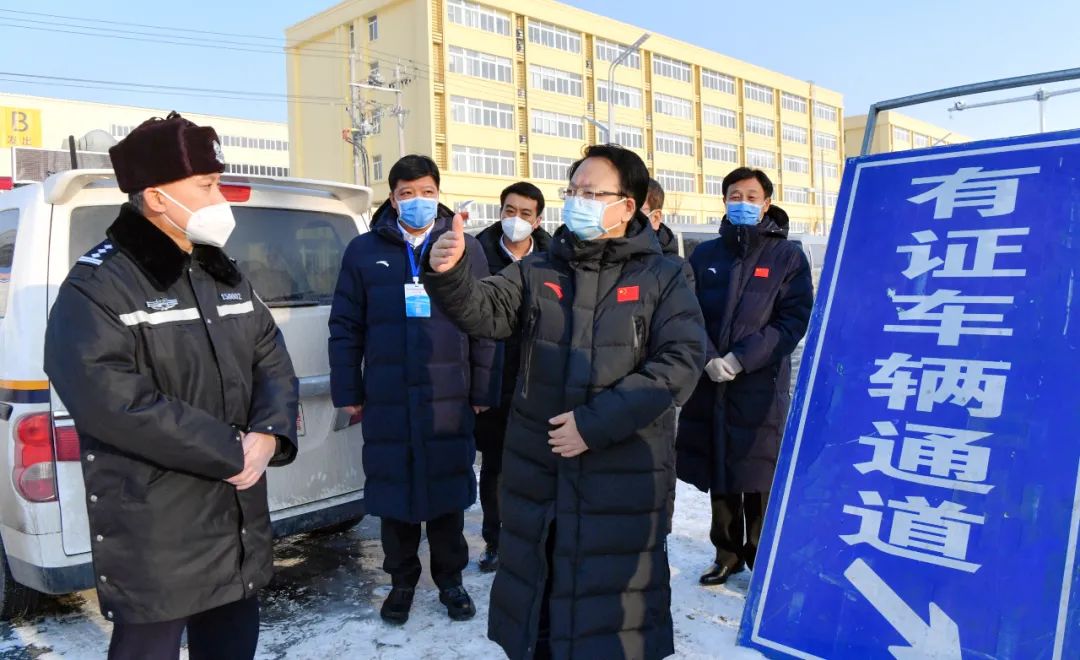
{"x": 725, "y": 369}
{"x": 718, "y": 371}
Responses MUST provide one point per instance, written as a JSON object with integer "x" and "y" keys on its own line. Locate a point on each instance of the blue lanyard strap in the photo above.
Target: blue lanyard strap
{"x": 413, "y": 265}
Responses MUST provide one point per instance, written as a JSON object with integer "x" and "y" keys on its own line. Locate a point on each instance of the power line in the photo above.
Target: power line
{"x": 274, "y": 96}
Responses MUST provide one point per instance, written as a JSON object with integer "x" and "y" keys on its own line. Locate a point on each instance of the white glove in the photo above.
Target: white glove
{"x": 718, "y": 371}
{"x": 725, "y": 369}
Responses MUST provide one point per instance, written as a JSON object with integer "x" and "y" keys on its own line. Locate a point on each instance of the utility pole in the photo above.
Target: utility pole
{"x": 354, "y": 114}
{"x": 626, "y": 52}
{"x": 397, "y": 86}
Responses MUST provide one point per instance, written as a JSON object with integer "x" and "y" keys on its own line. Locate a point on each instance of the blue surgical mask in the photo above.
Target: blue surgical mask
{"x": 743, "y": 213}
{"x": 585, "y": 217}
{"x": 418, "y": 212}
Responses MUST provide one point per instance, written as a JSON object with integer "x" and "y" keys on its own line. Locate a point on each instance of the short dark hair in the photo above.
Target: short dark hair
{"x": 527, "y": 190}
{"x": 744, "y": 173}
{"x": 633, "y": 175}
{"x": 411, "y": 168}
{"x": 655, "y": 198}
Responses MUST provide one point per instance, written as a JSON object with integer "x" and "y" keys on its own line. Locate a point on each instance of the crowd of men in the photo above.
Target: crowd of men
{"x": 562, "y": 358}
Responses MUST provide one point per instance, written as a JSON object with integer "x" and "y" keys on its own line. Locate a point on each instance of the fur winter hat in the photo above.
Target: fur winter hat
{"x": 165, "y": 150}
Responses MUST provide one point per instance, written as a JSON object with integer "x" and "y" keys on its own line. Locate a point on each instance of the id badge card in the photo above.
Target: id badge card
{"x": 417, "y": 302}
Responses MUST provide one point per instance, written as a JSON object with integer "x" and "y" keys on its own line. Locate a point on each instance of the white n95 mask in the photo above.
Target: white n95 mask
{"x": 211, "y": 225}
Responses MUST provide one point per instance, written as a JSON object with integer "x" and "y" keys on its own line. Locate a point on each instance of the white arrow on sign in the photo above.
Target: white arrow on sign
{"x": 938, "y": 640}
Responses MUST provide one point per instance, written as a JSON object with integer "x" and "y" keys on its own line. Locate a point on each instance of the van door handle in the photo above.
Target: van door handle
{"x": 313, "y": 386}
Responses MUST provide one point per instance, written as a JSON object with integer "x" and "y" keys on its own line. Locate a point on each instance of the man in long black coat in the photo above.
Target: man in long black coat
{"x": 613, "y": 341}
{"x": 755, "y": 290}
{"x": 515, "y": 237}
{"x": 182, "y": 393}
{"x": 418, "y": 381}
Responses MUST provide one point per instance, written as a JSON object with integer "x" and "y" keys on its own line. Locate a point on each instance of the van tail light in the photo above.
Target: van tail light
{"x": 6, "y": 183}
{"x": 234, "y": 193}
{"x": 38, "y": 445}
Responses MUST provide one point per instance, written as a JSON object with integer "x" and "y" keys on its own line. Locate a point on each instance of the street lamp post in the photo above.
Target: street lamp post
{"x": 626, "y": 52}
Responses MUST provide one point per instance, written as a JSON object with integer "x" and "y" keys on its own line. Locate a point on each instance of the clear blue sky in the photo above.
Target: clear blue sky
{"x": 867, "y": 50}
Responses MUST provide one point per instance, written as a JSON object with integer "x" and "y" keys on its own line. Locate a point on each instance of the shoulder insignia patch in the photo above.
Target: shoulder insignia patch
{"x": 97, "y": 256}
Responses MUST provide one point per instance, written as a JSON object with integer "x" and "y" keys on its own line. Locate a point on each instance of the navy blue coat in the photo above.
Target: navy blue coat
{"x": 755, "y": 290}
{"x": 416, "y": 378}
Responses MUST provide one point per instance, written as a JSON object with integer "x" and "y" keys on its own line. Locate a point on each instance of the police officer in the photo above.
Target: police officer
{"x": 183, "y": 393}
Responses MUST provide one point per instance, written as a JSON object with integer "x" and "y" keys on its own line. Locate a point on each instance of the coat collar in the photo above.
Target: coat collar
{"x": 639, "y": 240}
{"x": 161, "y": 259}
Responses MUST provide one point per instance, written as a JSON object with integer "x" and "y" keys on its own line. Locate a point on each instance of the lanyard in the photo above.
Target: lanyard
{"x": 413, "y": 265}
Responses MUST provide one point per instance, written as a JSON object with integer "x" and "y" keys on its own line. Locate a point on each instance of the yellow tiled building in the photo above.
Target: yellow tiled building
{"x": 896, "y": 132}
{"x": 501, "y": 93}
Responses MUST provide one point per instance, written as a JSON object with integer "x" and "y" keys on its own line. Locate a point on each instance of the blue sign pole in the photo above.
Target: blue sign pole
{"x": 927, "y": 500}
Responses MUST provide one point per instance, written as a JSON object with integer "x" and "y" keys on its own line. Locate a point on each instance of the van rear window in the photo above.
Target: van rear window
{"x": 291, "y": 257}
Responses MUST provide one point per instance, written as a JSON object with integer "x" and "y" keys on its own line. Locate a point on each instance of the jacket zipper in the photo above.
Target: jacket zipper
{"x": 530, "y": 340}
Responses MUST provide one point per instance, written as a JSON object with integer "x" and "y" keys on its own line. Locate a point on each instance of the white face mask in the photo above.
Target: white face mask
{"x": 515, "y": 229}
{"x": 210, "y": 225}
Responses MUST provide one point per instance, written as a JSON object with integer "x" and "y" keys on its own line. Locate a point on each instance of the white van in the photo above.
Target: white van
{"x": 289, "y": 240}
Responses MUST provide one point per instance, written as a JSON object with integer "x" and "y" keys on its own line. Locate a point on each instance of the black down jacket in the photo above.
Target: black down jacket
{"x": 162, "y": 358}
{"x": 755, "y": 289}
{"x": 491, "y": 425}
{"x": 417, "y": 378}
{"x": 612, "y": 332}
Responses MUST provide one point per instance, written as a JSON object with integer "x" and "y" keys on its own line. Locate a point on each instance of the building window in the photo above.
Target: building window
{"x": 921, "y": 141}
{"x": 672, "y": 181}
{"x": 796, "y": 194}
{"x": 760, "y": 126}
{"x": 557, "y": 125}
{"x": 722, "y": 117}
{"x": 609, "y": 51}
{"x": 551, "y": 168}
{"x": 376, "y": 168}
{"x": 831, "y": 199}
{"x": 680, "y": 219}
{"x": 554, "y": 36}
{"x": 373, "y": 28}
{"x": 479, "y": 65}
{"x": 481, "y": 113}
{"x": 486, "y": 212}
{"x": 825, "y": 111}
{"x": 830, "y": 170}
{"x": 825, "y": 141}
{"x": 714, "y": 185}
{"x": 793, "y": 102}
{"x": 478, "y": 160}
{"x": 756, "y": 92}
{"x": 799, "y": 227}
{"x": 717, "y": 81}
{"x": 796, "y": 134}
{"x": 673, "y": 106}
{"x": 477, "y": 16}
{"x": 714, "y": 219}
{"x": 761, "y": 159}
{"x": 671, "y": 68}
{"x": 721, "y": 151}
{"x": 555, "y": 80}
{"x": 797, "y": 164}
{"x": 630, "y": 137}
{"x": 901, "y": 134}
{"x": 671, "y": 143}
{"x": 627, "y": 97}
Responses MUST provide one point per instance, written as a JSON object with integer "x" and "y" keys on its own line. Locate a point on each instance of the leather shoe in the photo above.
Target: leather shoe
{"x": 489, "y": 561}
{"x": 719, "y": 573}
{"x": 459, "y": 606}
{"x": 395, "y": 609}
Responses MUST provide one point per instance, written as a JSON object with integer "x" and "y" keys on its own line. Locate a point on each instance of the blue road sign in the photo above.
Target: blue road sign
{"x": 927, "y": 500}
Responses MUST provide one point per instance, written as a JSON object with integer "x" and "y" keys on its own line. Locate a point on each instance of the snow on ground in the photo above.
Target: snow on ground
{"x": 324, "y": 603}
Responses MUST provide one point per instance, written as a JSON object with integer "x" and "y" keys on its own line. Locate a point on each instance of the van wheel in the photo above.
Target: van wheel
{"x": 16, "y": 601}
{"x": 338, "y": 528}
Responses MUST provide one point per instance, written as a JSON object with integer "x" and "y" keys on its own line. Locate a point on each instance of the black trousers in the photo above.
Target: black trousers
{"x": 446, "y": 540}
{"x": 229, "y": 632}
{"x": 736, "y": 527}
{"x": 490, "y": 476}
